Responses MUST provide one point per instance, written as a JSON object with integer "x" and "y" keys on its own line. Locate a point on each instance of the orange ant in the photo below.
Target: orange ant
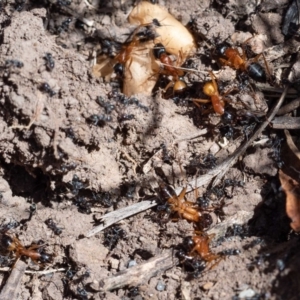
{"x": 34, "y": 251}
{"x": 231, "y": 57}
{"x": 185, "y": 209}
{"x": 211, "y": 89}
{"x": 199, "y": 244}
{"x": 136, "y": 37}
{"x": 160, "y": 53}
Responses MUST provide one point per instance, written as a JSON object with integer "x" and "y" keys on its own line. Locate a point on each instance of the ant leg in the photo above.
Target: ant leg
{"x": 201, "y": 100}
{"x": 182, "y": 194}
{"x": 213, "y": 78}
{"x": 171, "y": 83}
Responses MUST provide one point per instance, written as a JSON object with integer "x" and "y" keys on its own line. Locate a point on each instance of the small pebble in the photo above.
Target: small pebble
{"x": 160, "y": 286}
{"x": 131, "y": 263}
{"x": 208, "y": 285}
{"x": 247, "y": 294}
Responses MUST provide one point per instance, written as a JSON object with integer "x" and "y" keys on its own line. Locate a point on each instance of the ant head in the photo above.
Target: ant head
{"x": 45, "y": 258}
{"x": 119, "y": 69}
{"x": 188, "y": 243}
{"x": 158, "y": 50}
{"x": 221, "y": 49}
{"x": 7, "y": 242}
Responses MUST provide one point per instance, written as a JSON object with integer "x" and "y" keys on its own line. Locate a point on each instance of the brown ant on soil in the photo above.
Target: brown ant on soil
{"x": 183, "y": 208}
{"x": 34, "y": 252}
{"x": 199, "y": 245}
{"x": 49, "y": 61}
{"x": 125, "y": 54}
{"x": 50, "y": 223}
{"x": 211, "y": 90}
{"x": 231, "y": 57}
{"x": 169, "y": 68}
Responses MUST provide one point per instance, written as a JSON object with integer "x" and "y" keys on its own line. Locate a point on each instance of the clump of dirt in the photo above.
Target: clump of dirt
{"x": 74, "y": 148}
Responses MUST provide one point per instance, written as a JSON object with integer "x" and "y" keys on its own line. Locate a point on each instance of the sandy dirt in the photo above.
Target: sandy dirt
{"x": 57, "y": 161}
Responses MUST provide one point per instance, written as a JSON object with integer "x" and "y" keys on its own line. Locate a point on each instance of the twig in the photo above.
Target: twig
{"x": 43, "y": 272}
{"x": 289, "y": 107}
{"x": 12, "y": 286}
{"x": 138, "y": 274}
{"x": 120, "y": 214}
{"x": 218, "y": 172}
{"x": 286, "y": 123}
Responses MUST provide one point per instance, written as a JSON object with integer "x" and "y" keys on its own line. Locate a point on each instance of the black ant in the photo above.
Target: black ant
{"x": 125, "y": 117}
{"x": 230, "y": 252}
{"x": 64, "y": 2}
{"x": 77, "y": 185}
{"x": 84, "y": 206}
{"x": 104, "y": 198}
{"x": 49, "y": 61}
{"x": 82, "y": 293}
{"x": 112, "y": 235}
{"x": 45, "y": 87}
{"x": 193, "y": 266}
{"x": 9, "y": 226}
{"x": 13, "y": 63}
{"x": 109, "y": 107}
{"x": 232, "y": 182}
{"x": 64, "y": 25}
{"x": 100, "y": 119}
{"x": 19, "y": 4}
{"x": 50, "y": 223}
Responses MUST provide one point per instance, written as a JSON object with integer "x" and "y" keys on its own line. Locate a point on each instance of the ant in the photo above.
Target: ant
{"x": 193, "y": 266}
{"x": 125, "y": 54}
{"x": 106, "y": 105}
{"x": 125, "y": 117}
{"x": 211, "y": 89}
{"x": 64, "y": 2}
{"x": 77, "y": 185}
{"x": 84, "y": 206}
{"x": 35, "y": 251}
{"x": 231, "y": 57}
{"x": 64, "y": 25}
{"x": 49, "y": 61}
{"x": 185, "y": 209}
{"x": 100, "y": 119}
{"x": 104, "y": 198}
{"x": 130, "y": 190}
{"x": 50, "y": 223}
{"x": 112, "y": 235}
{"x": 199, "y": 244}
{"x": 82, "y": 293}
{"x": 45, "y": 87}
{"x": 160, "y": 53}
{"x": 13, "y": 63}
